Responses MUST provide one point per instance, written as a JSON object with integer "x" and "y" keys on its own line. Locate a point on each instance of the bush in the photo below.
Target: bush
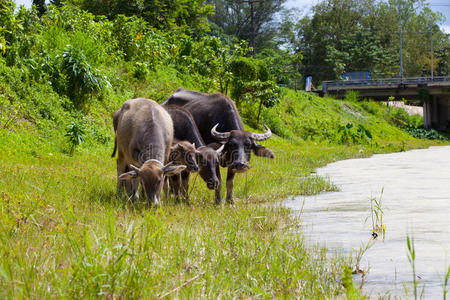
{"x": 422, "y": 133}
{"x": 349, "y": 134}
{"x": 83, "y": 81}
{"x": 75, "y": 132}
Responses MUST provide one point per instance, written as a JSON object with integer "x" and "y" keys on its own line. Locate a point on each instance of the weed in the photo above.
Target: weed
{"x": 350, "y": 290}
{"x": 445, "y": 283}
{"x": 75, "y": 132}
{"x": 412, "y": 261}
{"x": 358, "y": 257}
{"x": 376, "y": 214}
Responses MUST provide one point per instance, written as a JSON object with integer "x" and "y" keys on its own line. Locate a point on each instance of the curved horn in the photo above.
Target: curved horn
{"x": 220, "y": 149}
{"x": 136, "y": 169}
{"x": 222, "y": 136}
{"x": 262, "y": 136}
{"x": 160, "y": 164}
{"x": 168, "y": 164}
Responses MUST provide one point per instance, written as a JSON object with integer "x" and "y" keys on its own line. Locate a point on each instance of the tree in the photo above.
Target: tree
{"x": 56, "y": 2}
{"x": 352, "y": 35}
{"x": 187, "y": 15}
{"x": 41, "y": 6}
{"x": 360, "y": 50}
{"x": 236, "y": 19}
{"x": 442, "y": 53}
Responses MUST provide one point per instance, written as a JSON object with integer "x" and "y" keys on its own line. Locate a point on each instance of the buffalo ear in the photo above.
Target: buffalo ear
{"x": 173, "y": 170}
{"x": 262, "y": 151}
{"x": 175, "y": 147}
{"x": 128, "y": 175}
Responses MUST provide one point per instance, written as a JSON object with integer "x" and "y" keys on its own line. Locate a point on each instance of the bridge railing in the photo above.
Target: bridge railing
{"x": 383, "y": 81}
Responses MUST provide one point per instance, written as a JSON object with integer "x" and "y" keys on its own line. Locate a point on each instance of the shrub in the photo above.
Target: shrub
{"x": 75, "y": 132}
{"x": 349, "y": 134}
{"x": 83, "y": 81}
{"x": 422, "y": 133}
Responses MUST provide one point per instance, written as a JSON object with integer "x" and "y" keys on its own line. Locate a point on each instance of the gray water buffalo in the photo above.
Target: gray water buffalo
{"x": 144, "y": 134}
{"x": 207, "y": 157}
{"x": 217, "y": 119}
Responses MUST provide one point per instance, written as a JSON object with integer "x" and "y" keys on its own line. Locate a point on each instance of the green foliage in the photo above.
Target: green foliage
{"x": 41, "y": 7}
{"x": 349, "y": 134}
{"x": 360, "y": 50}
{"x": 422, "y": 133}
{"x": 186, "y": 15}
{"x": 359, "y": 35}
{"x": 251, "y": 79}
{"x": 283, "y": 66}
{"x": 82, "y": 80}
{"x": 75, "y": 132}
{"x": 141, "y": 70}
{"x": 352, "y": 96}
{"x": 350, "y": 290}
{"x": 234, "y": 18}
{"x": 244, "y": 68}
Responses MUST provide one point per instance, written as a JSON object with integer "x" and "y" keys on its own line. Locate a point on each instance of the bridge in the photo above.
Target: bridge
{"x": 434, "y": 92}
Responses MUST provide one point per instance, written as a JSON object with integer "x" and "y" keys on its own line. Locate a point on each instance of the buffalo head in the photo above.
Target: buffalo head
{"x": 184, "y": 153}
{"x": 208, "y": 160}
{"x": 238, "y": 147}
{"x": 151, "y": 176}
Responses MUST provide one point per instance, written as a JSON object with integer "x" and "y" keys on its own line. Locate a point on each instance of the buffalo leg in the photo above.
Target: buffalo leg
{"x": 218, "y": 186}
{"x": 129, "y": 186}
{"x": 175, "y": 186}
{"x": 185, "y": 186}
{"x": 230, "y": 178}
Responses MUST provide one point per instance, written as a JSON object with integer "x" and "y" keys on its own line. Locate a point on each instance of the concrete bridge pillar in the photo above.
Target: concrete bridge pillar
{"x": 427, "y": 114}
{"x": 436, "y": 112}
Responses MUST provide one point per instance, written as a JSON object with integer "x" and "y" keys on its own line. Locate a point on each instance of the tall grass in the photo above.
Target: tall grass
{"x": 412, "y": 261}
{"x": 445, "y": 283}
{"x": 376, "y": 214}
{"x": 65, "y": 233}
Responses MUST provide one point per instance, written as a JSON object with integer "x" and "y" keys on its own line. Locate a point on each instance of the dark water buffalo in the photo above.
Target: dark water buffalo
{"x": 217, "y": 119}
{"x": 207, "y": 157}
{"x": 144, "y": 134}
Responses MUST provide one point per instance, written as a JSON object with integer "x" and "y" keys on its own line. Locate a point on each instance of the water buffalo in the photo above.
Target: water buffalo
{"x": 207, "y": 157}
{"x": 182, "y": 153}
{"x": 144, "y": 134}
{"x": 217, "y": 119}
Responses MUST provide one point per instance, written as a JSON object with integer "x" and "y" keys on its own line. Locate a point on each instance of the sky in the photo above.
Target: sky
{"x": 442, "y": 6}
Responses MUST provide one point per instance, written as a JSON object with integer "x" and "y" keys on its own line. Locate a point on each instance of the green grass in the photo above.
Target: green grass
{"x": 65, "y": 233}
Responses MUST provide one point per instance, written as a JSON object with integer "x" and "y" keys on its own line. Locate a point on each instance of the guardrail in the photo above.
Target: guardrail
{"x": 384, "y": 81}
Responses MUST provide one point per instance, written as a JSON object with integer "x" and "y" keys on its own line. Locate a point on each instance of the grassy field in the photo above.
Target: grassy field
{"x": 64, "y": 233}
